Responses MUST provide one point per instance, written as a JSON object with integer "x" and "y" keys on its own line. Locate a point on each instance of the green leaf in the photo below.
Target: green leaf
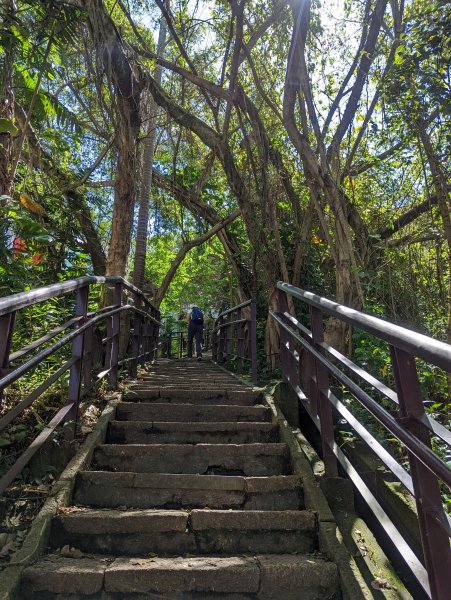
{"x": 7, "y": 126}
{"x": 4, "y": 442}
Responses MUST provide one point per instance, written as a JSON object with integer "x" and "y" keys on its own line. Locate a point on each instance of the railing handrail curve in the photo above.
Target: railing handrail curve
{"x": 229, "y": 310}
{"x": 427, "y": 348}
{"x": 22, "y": 300}
{"x": 311, "y": 374}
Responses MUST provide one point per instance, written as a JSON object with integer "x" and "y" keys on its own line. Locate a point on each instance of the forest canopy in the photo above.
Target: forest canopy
{"x": 206, "y": 150}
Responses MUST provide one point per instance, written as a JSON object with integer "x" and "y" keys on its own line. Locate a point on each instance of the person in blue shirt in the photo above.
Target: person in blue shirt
{"x": 195, "y": 319}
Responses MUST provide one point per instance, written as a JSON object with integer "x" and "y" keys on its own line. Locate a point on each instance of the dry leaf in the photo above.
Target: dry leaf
{"x": 69, "y": 552}
{"x": 31, "y": 204}
{"x": 381, "y": 584}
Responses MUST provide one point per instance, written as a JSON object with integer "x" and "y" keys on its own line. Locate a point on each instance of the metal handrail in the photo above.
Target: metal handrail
{"x": 412, "y": 426}
{"x": 226, "y": 341}
{"x": 429, "y": 349}
{"x": 416, "y": 447}
{"x": 234, "y": 308}
{"x": 24, "y": 299}
{"x": 144, "y": 346}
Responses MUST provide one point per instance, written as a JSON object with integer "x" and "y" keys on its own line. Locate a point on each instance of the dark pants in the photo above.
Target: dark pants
{"x": 195, "y": 331}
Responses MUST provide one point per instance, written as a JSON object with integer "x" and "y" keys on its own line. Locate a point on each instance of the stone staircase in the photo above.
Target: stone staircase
{"x": 191, "y": 497}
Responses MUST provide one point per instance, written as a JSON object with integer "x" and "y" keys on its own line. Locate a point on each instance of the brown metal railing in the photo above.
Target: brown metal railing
{"x": 174, "y": 341}
{"x": 235, "y": 335}
{"x": 306, "y": 362}
{"x": 82, "y": 379}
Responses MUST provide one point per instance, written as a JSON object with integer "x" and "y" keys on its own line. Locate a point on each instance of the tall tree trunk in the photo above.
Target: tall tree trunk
{"x": 441, "y": 187}
{"x": 126, "y": 78}
{"x": 146, "y": 183}
{"x": 7, "y": 102}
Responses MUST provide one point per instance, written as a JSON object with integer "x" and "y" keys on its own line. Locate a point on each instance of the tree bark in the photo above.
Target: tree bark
{"x": 7, "y": 103}
{"x": 187, "y": 246}
{"x": 127, "y": 82}
{"x": 146, "y": 184}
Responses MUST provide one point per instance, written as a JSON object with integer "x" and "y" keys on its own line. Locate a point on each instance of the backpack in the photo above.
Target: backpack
{"x": 197, "y": 316}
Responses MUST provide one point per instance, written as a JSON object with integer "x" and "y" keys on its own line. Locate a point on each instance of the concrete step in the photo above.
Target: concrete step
{"x": 135, "y": 411}
{"x": 156, "y": 490}
{"x": 206, "y": 459}
{"x": 148, "y": 432}
{"x": 173, "y": 533}
{"x": 263, "y": 577}
{"x": 198, "y": 379}
{"x": 189, "y": 395}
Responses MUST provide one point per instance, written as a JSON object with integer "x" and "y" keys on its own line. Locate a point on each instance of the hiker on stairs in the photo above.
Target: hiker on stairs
{"x": 195, "y": 319}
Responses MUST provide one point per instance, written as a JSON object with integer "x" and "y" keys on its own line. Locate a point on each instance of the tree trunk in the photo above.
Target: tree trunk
{"x": 441, "y": 186}
{"x": 7, "y": 103}
{"x": 146, "y": 183}
{"x": 126, "y": 79}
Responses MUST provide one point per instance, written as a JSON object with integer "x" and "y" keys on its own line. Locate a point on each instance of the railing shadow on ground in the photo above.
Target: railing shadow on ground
{"x": 311, "y": 366}
{"x": 234, "y": 337}
{"x": 88, "y": 358}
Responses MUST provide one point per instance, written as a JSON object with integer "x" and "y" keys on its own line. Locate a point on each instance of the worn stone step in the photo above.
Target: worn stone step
{"x": 189, "y": 395}
{"x": 263, "y": 577}
{"x": 215, "y": 459}
{"x": 202, "y": 378}
{"x": 156, "y": 490}
{"x": 148, "y": 432}
{"x": 140, "y": 532}
{"x": 135, "y": 411}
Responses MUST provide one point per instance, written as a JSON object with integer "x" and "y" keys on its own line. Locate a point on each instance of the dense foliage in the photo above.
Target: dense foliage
{"x": 304, "y": 141}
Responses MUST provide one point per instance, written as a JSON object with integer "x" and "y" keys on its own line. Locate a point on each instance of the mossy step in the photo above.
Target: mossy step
{"x": 216, "y": 459}
{"x": 263, "y": 577}
{"x": 136, "y": 411}
{"x": 165, "y": 532}
{"x": 156, "y": 490}
{"x": 148, "y": 432}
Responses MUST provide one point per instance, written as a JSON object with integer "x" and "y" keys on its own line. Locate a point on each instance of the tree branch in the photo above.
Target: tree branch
{"x": 187, "y": 246}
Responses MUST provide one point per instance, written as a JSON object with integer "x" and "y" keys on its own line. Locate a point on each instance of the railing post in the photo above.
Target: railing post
{"x": 6, "y": 334}
{"x": 169, "y": 343}
{"x": 154, "y": 331}
{"x": 253, "y": 340}
{"x": 88, "y": 357}
{"x": 322, "y": 392}
{"x": 137, "y": 338}
{"x": 221, "y": 340}
{"x": 214, "y": 343}
{"x": 228, "y": 336}
{"x": 431, "y": 517}
{"x": 286, "y": 359}
{"x": 239, "y": 340}
{"x": 73, "y": 394}
{"x": 145, "y": 344}
{"x": 113, "y": 329}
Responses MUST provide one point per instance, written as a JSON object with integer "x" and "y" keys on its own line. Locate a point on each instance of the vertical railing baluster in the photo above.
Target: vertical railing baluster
{"x": 284, "y": 339}
{"x": 136, "y": 339}
{"x": 145, "y": 340}
{"x": 73, "y": 394}
{"x": 169, "y": 344}
{"x": 214, "y": 344}
{"x": 88, "y": 357}
{"x": 113, "y": 330}
{"x": 253, "y": 341}
{"x": 6, "y": 335}
{"x": 221, "y": 340}
{"x": 228, "y": 328}
{"x": 431, "y": 516}
{"x": 239, "y": 340}
{"x": 322, "y": 393}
